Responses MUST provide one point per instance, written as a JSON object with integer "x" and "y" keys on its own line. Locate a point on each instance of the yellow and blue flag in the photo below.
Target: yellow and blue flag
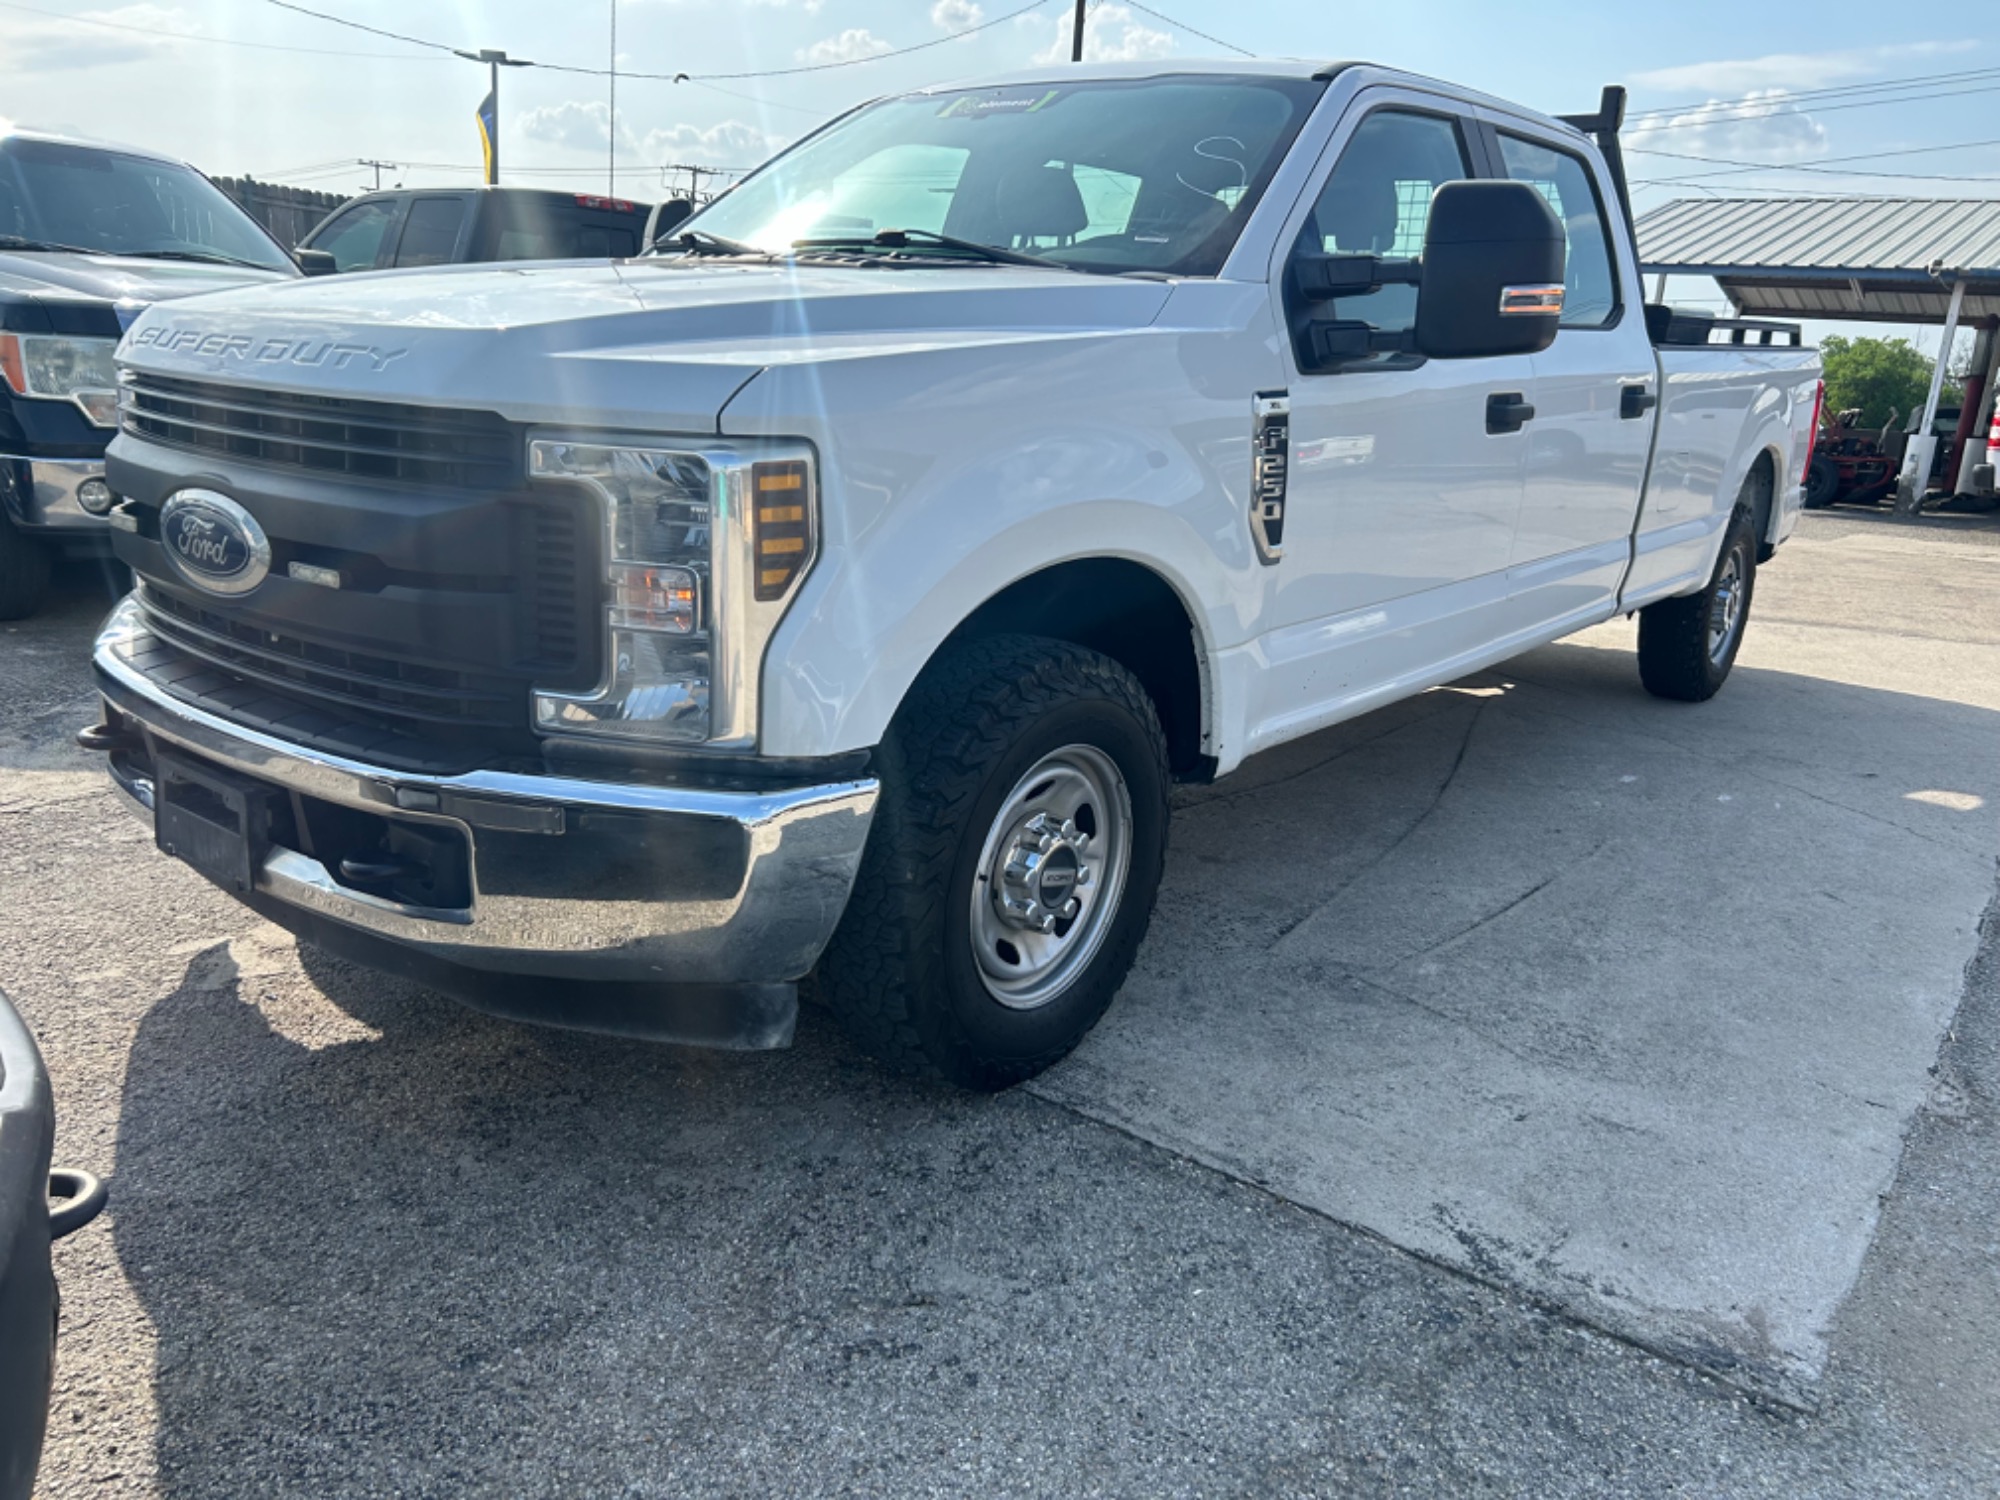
{"x": 489, "y": 134}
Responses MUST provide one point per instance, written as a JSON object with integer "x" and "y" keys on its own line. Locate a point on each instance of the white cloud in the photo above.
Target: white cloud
{"x": 956, "y": 15}
{"x": 1111, "y": 33}
{"x": 580, "y": 125}
{"x": 850, "y": 45}
{"x": 1788, "y": 70}
{"x": 730, "y": 144}
{"x": 51, "y": 46}
{"x": 577, "y": 125}
{"x": 1764, "y": 126}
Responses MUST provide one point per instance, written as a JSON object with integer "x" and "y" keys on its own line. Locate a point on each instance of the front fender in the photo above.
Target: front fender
{"x": 949, "y": 474}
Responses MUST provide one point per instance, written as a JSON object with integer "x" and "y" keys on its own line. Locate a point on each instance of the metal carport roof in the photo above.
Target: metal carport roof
{"x": 1891, "y": 260}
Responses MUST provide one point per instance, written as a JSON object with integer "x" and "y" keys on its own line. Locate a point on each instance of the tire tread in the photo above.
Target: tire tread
{"x": 887, "y": 958}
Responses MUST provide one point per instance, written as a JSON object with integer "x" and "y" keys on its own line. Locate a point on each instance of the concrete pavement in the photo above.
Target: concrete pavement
{"x": 365, "y": 1242}
{"x": 1624, "y": 1003}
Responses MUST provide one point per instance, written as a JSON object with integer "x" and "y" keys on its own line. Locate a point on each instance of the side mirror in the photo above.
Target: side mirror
{"x": 666, "y": 218}
{"x": 1325, "y": 278}
{"x": 1492, "y": 279}
{"x": 315, "y": 262}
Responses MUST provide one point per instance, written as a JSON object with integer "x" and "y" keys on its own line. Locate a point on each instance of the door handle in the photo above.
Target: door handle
{"x": 1508, "y": 411}
{"x": 1635, "y": 401}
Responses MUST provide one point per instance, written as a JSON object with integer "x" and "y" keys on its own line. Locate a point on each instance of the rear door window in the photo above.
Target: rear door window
{"x": 430, "y": 238}
{"x": 1590, "y": 278}
{"x": 354, "y": 236}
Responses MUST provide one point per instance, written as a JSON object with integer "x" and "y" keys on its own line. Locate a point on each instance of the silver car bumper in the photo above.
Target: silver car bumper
{"x": 779, "y": 863}
{"x": 40, "y": 493}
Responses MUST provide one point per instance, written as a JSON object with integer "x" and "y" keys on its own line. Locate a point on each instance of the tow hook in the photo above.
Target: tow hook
{"x": 107, "y": 739}
{"x": 82, "y": 1196}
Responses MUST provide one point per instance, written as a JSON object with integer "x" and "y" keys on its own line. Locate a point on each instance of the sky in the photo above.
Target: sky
{"x": 250, "y": 87}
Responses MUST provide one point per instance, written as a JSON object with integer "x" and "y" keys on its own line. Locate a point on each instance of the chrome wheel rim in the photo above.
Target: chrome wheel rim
{"x": 1050, "y": 875}
{"x": 1725, "y": 610}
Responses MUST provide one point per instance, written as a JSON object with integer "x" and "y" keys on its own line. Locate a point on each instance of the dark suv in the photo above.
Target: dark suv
{"x": 447, "y": 226}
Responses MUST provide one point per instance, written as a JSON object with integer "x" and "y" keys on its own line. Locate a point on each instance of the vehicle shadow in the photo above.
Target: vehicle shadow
{"x": 465, "y": 1249}
{"x": 458, "y": 1255}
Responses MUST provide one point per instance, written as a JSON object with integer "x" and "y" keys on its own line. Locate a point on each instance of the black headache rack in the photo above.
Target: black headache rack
{"x": 1680, "y": 328}
{"x": 1603, "y": 127}
{"x": 1668, "y": 326}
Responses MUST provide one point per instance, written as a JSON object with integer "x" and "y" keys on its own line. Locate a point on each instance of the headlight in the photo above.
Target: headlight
{"x": 704, "y": 547}
{"x": 59, "y": 368}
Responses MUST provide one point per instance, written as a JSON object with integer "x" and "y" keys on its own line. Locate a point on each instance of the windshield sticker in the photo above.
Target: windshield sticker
{"x": 970, "y": 106}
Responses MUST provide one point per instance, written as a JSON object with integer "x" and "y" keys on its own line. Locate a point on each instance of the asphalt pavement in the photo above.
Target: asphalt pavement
{"x": 364, "y": 1242}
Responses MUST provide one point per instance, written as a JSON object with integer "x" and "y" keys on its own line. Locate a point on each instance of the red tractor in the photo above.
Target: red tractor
{"x": 1855, "y": 465}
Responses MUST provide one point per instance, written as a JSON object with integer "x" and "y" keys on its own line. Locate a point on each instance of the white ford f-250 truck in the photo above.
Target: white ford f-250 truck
{"x": 838, "y": 590}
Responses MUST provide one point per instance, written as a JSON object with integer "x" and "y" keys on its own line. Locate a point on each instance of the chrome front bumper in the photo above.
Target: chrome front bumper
{"x": 40, "y": 493}
{"x": 797, "y": 850}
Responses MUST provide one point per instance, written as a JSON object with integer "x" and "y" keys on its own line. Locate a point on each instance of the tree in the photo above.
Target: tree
{"x": 1877, "y": 375}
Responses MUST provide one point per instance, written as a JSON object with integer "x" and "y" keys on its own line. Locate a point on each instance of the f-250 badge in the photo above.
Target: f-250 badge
{"x": 1270, "y": 457}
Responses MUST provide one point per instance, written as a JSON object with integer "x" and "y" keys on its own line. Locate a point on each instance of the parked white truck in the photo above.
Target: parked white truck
{"x": 838, "y": 591}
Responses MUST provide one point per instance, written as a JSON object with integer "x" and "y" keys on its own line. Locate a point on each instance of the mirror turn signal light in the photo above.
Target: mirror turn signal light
{"x": 781, "y": 524}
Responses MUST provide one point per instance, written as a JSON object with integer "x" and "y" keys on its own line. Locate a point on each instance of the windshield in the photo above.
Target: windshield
{"x": 1155, "y": 174}
{"x": 105, "y": 201}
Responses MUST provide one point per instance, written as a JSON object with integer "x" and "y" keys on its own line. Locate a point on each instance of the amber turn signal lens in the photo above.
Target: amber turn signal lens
{"x": 781, "y": 524}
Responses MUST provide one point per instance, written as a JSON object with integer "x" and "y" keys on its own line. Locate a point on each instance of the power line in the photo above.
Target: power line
{"x": 1695, "y": 181}
{"x": 1695, "y": 116}
{"x": 1702, "y": 121}
{"x": 758, "y": 99}
{"x": 394, "y": 36}
{"x": 1825, "y": 166}
{"x": 821, "y": 67}
{"x": 1831, "y": 91}
{"x": 1756, "y": 166}
{"x": 190, "y": 36}
{"x": 1162, "y": 16}
{"x": 855, "y": 62}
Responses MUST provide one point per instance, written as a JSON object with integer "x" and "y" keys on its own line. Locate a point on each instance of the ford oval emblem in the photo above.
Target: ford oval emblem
{"x": 214, "y": 543}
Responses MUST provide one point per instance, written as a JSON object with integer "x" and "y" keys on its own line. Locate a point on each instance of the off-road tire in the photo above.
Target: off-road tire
{"x": 1674, "y": 642}
{"x": 1822, "y": 483}
{"x": 24, "y": 572}
{"x": 900, "y": 971}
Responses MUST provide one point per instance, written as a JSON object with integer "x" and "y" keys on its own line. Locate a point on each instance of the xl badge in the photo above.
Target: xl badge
{"x": 214, "y": 543}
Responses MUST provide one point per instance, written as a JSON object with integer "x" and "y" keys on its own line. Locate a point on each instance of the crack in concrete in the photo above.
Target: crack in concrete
{"x": 1465, "y": 744}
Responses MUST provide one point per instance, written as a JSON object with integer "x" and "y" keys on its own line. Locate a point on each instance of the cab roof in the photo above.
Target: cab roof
{"x": 1240, "y": 67}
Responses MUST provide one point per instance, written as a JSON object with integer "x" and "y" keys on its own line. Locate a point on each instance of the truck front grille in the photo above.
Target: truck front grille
{"x": 434, "y": 447}
{"x": 364, "y": 705}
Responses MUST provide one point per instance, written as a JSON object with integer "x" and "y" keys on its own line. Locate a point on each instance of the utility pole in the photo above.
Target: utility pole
{"x": 489, "y": 112}
{"x": 1076, "y": 41}
{"x": 379, "y": 167}
{"x": 611, "y": 185}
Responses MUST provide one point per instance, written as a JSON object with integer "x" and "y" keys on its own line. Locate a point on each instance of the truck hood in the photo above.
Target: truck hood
{"x": 654, "y": 345}
{"x": 117, "y": 278}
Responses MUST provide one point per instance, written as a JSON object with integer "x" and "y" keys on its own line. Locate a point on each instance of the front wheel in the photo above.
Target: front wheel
{"x": 1822, "y": 482}
{"x": 1011, "y": 871}
{"x": 1688, "y": 645}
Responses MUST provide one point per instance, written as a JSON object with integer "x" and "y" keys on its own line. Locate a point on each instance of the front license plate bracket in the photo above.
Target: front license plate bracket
{"x": 216, "y": 822}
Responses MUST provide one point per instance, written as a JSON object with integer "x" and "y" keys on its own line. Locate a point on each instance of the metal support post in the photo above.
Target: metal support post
{"x": 1916, "y": 476}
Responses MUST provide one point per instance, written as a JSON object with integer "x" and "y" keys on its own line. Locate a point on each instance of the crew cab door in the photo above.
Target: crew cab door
{"x": 1596, "y": 396}
{"x": 433, "y": 229}
{"x": 1405, "y": 474}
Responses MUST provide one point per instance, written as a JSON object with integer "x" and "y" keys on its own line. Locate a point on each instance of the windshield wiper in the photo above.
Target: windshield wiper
{"x": 910, "y": 239}
{"x": 701, "y": 242}
{"x": 206, "y": 257}
{"x": 21, "y": 242}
